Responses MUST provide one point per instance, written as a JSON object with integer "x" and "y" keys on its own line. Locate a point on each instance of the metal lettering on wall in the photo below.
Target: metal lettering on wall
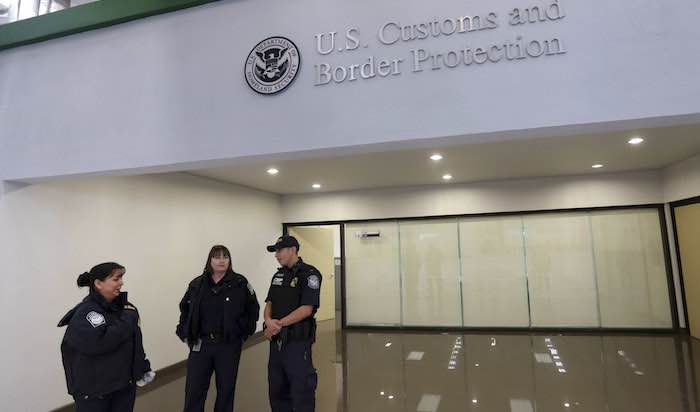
{"x": 419, "y": 59}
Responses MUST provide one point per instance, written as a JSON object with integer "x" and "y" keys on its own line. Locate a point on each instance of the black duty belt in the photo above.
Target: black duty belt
{"x": 302, "y": 331}
{"x": 212, "y": 337}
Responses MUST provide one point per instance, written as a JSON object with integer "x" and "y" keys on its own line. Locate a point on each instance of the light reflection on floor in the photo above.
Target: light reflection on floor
{"x": 453, "y": 372}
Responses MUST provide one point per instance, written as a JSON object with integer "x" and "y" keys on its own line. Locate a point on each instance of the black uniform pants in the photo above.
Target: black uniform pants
{"x": 221, "y": 358}
{"x": 292, "y": 378}
{"x": 119, "y": 401}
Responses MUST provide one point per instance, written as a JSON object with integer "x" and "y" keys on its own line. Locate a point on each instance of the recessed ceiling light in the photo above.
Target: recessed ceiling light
{"x": 597, "y": 166}
{"x": 272, "y": 171}
{"x": 316, "y": 185}
{"x": 447, "y": 177}
{"x": 635, "y": 140}
{"x": 436, "y": 157}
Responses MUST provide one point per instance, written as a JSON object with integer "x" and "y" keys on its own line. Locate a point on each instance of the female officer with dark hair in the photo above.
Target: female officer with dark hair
{"x": 102, "y": 348}
{"x": 218, "y": 312}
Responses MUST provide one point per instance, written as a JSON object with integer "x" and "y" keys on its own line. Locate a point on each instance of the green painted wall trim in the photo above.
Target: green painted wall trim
{"x": 89, "y": 16}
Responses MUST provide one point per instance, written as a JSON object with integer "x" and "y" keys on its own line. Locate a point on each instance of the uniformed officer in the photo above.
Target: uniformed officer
{"x": 291, "y": 328}
{"x": 218, "y": 312}
{"x": 102, "y": 348}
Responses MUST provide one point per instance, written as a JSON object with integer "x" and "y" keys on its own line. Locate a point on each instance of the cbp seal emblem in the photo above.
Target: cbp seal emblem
{"x": 314, "y": 282}
{"x": 95, "y": 319}
{"x": 272, "y": 65}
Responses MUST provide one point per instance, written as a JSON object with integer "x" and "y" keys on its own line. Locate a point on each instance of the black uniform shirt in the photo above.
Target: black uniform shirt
{"x": 212, "y": 306}
{"x": 294, "y": 287}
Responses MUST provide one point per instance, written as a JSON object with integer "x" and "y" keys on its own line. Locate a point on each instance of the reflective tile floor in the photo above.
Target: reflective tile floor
{"x": 451, "y": 372}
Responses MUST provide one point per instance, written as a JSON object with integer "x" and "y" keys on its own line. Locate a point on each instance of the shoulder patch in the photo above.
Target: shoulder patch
{"x": 314, "y": 282}
{"x": 95, "y": 319}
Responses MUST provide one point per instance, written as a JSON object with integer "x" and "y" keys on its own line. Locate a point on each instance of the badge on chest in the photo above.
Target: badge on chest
{"x": 278, "y": 280}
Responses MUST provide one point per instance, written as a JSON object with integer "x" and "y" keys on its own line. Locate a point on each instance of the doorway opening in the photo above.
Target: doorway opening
{"x": 320, "y": 246}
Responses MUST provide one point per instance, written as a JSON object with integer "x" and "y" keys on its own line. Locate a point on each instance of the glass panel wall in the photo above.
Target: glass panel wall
{"x": 631, "y": 269}
{"x": 430, "y": 273}
{"x": 579, "y": 269}
{"x": 560, "y": 271}
{"x": 372, "y": 283}
{"x": 494, "y": 282}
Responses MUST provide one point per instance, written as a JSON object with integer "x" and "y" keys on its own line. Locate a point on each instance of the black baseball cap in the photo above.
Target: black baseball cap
{"x": 283, "y": 242}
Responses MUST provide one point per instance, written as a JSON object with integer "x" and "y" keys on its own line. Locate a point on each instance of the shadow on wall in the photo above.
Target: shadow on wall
{"x": 9, "y": 187}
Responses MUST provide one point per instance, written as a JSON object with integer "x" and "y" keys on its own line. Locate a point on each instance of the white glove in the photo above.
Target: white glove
{"x": 146, "y": 379}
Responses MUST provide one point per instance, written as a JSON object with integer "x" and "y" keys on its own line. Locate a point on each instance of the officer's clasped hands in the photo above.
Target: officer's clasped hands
{"x": 272, "y": 328}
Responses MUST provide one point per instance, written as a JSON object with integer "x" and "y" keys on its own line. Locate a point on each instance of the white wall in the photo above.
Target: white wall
{"x": 487, "y": 197}
{"x": 682, "y": 180}
{"x": 168, "y": 90}
{"x": 160, "y": 227}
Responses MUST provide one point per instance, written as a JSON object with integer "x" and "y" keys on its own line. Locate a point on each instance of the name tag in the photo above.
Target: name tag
{"x": 277, "y": 281}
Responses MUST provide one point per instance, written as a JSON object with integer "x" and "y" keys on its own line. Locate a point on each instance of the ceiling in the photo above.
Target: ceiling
{"x": 557, "y": 156}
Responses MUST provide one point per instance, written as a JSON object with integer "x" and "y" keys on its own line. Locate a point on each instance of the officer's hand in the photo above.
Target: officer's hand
{"x": 274, "y": 326}
{"x": 268, "y": 334}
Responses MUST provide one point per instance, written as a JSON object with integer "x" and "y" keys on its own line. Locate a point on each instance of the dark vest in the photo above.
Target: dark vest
{"x": 285, "y": 291}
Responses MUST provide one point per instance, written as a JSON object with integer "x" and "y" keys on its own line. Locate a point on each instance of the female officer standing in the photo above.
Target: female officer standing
{"x": 218, "y": 312}
{"x": 102, "y": 348}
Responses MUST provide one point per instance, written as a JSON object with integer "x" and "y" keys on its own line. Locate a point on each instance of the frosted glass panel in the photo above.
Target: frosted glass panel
{"x": 372, "y": 274}
{"x": 631, "y": 269}
{"x": 494, "y": 286}
{"x": 560, "y": 270}
{"x": 579, "y": 269}
{"x": 430, "y": 269}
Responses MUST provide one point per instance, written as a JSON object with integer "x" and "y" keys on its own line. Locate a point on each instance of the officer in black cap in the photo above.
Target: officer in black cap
{"x": 291, "y": 328}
